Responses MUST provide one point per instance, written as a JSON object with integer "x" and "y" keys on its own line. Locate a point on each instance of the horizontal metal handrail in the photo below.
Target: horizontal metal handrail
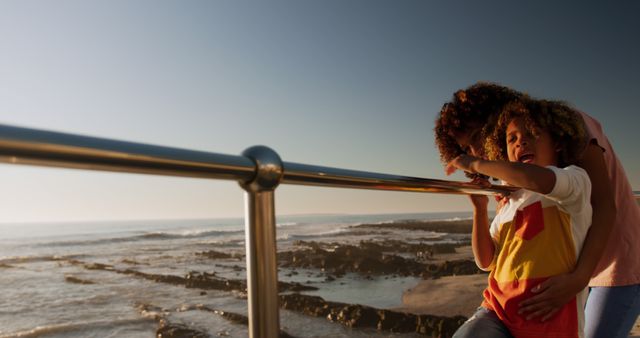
{"x": 46, "y": 148}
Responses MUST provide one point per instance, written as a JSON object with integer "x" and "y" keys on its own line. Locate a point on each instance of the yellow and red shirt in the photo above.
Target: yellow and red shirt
{"x": 538, "y": 236}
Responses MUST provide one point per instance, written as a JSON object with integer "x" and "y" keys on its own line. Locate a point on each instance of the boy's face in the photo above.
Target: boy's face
{"x": 524, "y": 147}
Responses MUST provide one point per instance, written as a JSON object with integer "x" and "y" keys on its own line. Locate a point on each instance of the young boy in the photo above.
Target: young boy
{"x": 539, "y": 232}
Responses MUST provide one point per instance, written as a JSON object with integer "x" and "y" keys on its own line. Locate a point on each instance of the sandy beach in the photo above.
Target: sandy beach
{"x": 448, "y": 295}
{"x": 454, "y": 295}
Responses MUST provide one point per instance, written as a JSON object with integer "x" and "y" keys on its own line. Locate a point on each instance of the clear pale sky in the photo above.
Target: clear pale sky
{"x": 351, "y": 84}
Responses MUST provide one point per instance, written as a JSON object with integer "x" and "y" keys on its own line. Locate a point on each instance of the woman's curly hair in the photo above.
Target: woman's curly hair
{"x": 563, "y": 123}
{"x": 472, "y": 108}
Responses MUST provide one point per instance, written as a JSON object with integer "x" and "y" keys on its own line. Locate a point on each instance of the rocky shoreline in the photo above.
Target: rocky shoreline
{"x": 448, "y": 226}
{"x": 360, "y": 316}
{"x": 402, "y": 279}
{"x": 369, "y": 259}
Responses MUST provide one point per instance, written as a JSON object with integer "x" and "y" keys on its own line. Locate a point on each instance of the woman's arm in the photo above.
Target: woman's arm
{"x": 558, "y": 290}
{"x": 604, "y": 212}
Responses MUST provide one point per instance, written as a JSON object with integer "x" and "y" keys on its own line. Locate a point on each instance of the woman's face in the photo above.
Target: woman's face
{"x": 471, "y": 142}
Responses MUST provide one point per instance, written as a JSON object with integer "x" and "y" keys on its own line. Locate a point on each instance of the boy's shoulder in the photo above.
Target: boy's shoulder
{"x": 571, "y": 174}
{"x": 570, "y": 168}
{"x": 572, "y": 189}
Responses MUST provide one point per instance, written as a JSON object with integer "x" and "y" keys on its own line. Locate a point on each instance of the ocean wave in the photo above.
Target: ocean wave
{"x": 289, "y": 236}
{"x": 160, "y": 235}
{"x": 435, "y": 220}
{"x": 287, "y": 224}
{"x": 188, "y": 234}
{"x": 72, "y": 327}
{"x": 35, "y": 259}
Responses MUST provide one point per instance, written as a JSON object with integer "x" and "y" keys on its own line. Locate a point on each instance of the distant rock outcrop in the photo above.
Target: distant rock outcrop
{"x": 371, "y": 258}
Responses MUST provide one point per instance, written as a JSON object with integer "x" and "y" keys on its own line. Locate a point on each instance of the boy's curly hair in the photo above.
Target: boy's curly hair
{"x": 563, "y": 123}
{"x": 470, "y": 109}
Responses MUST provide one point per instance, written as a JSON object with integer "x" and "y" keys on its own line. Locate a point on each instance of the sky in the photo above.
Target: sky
{"x": 349, "y": 84}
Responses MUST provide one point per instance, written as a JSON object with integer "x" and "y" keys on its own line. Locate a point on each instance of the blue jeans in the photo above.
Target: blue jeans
{"x": 611, "y": 311}
{"x": 484, "y": 323}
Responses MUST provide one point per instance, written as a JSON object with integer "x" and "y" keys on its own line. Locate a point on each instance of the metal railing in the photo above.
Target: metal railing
{"x": 259, "y": 170}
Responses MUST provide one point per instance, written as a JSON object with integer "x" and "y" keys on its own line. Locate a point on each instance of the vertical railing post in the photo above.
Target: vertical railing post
{"x": 260, "y": 238}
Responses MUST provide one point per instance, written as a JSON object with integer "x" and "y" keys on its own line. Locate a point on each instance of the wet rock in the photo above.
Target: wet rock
{"x": 308, "y": 305}
{"x": 397, "y": 246}
{"x": 349, "y": 258}
{"x": 360, "y": 316}
{"x": 96, "y": 266}
{"x": 353, "y": 315}
{"x": 243, "y": 320}
{"x": 151, "y": 311}
{"x": 196, "y": 280}
{"x": 233, "y": 317}
{"x": 169, "y": 330}
{"x": 397, "y": 321}
{"x": 130, "y": 262}
{"x": 452, "y": 227}
{"x": 217, "y": 254}
{"x": 76, "y": 280}
{"x": 295, "y": 287}
{"x": 441, "y": 328}
{"x": 371, "y": 259}
{"x": 230, "y": 316}
{"x": 208, "y": 281}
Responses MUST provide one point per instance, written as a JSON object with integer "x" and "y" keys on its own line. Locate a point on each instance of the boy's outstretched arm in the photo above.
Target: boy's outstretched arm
{"x": 523, "y": 175}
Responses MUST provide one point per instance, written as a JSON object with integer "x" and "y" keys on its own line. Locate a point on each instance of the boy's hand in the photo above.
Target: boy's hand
{"x": 501, "y": 201}
{"x": 463, "y": 162}
{"x": 480, "y": 201}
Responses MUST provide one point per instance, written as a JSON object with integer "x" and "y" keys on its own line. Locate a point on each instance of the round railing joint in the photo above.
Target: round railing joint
{"x": 269, "y": 169}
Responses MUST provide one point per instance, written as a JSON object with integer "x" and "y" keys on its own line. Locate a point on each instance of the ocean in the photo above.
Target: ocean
{"x": 49, "y": 291}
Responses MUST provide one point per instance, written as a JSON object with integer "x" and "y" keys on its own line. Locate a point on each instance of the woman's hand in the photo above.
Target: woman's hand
{"x": 551, "y": 295}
